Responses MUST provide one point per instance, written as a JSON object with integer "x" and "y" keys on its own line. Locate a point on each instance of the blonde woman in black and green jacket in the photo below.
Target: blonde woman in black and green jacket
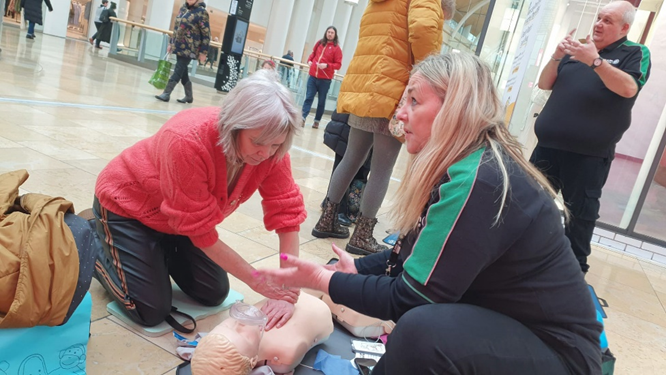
{"x": 190, "y": 40}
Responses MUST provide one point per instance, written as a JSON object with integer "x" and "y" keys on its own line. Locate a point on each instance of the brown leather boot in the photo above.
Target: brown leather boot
{"x": 362, "y": 241}
{"x": 328, "y": 225}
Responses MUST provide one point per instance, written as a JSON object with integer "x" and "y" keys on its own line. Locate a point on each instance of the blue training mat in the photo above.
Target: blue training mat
{"x": 48, "y": 350}
{"x": 597, "y": 302}
{"x": 184, "y": 304}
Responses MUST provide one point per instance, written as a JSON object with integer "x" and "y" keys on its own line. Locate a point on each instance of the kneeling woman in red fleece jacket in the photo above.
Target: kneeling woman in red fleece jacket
{"x": 158, "y": 202}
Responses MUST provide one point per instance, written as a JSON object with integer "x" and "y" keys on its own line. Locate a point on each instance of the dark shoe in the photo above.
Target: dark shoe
{"x": 30, "y": 36}
{"x": 344, "y": 220}
{"x": 166, "y": 95}
{"x": 91, "y": 40}
{"x": 188, "y": 94}
{"x": 98, "y": 47}
{"x": 315, "y": 125}
{"x": 328, "y": 225}
{"x": 362, "y": 241}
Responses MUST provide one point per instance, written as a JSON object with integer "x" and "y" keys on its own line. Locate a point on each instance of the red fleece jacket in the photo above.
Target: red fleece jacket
{"x": 176, "y": 182}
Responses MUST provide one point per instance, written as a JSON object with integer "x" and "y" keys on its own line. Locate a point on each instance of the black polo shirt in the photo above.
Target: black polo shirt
{"x": 582, "y": 115}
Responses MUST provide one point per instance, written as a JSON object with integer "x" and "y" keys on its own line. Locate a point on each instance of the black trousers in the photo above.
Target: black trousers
{"x": 580, "y": 178}
{"x": 98, "y": 25}
{"x": 135, "y": 262}
{"x": 87, "y": 244}
{"x": 180, "y": 73}
{"x": 442, "y": 339}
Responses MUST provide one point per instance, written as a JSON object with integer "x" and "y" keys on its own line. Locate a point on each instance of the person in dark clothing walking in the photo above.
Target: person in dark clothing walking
{"x": 190, "y": 40}
{"x": 482, "y": 279}
{"x": 285, "y": 67}
{"x": 98, "y": 22}
{"x": 32, "y": 12}
{"x": 104, "y": 34}
{"x": 212, "y": 55}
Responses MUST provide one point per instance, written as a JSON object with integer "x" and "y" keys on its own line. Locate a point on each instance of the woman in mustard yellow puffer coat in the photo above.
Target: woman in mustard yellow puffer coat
{"x": 394, "y": 34}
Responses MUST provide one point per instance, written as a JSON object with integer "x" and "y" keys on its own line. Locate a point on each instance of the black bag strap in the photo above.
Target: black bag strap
{"x": 177, "y": 326}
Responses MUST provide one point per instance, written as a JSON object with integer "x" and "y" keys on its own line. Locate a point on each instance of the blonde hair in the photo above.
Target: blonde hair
{"x": 215, "y": 354}
{"x": 471, "y": 116}
{"x": 258, "y": 102}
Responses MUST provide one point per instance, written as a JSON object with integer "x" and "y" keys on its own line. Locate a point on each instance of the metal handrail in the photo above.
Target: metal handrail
{"x": 219, "y": 45}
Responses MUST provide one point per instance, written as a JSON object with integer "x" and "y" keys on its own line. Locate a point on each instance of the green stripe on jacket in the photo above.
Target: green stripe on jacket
{"x": 442, "y": 216}
{"x": 645, "y": 61}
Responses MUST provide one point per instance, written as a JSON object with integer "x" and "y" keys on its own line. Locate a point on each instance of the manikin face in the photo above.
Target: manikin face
{"x": 252, "y": 153}
{"x": 330, "y": 35}
{"x": 609, "y": 26}
{"x": 418, "y": 113}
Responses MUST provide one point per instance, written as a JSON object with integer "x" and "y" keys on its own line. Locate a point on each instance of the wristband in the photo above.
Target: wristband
{"x": 554, "y": 59}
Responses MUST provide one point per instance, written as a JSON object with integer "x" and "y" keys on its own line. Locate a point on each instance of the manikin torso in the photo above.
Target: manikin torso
{"x": 230, "y": 346}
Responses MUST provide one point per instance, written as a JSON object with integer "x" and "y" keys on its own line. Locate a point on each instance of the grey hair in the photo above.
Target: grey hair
{"x": 629, "y": 14}
{"x": 258, "y": 102}
{"x": 449, "y": 8}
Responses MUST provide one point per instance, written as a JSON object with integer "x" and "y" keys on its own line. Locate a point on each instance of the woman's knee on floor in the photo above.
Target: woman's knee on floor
{"x": 210, "y": 295}
{"x": 150, "y": 314}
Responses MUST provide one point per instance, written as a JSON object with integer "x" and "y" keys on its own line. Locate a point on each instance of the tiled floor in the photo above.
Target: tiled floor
{"x": 66, "y": 109}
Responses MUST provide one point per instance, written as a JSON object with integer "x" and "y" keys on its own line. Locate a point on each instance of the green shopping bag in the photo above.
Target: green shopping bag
{"x": 161, "y": 75}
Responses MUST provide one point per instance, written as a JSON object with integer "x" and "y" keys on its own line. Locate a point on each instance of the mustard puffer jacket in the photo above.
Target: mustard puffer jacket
{"x": 379, "y": 70}
{"x": 39, "y": 262}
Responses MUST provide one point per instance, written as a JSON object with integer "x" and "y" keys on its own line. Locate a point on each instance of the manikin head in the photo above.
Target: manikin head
{"x": 231, "y": 348}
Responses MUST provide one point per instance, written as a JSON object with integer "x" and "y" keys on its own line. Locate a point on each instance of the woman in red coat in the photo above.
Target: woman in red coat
{"x": 325, "y": 59}
{"x": 158, "y": 203}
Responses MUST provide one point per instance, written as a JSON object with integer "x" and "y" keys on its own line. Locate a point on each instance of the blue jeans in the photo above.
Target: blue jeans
{"x": 31, "y": 28}
{"x": 319, "y": 87}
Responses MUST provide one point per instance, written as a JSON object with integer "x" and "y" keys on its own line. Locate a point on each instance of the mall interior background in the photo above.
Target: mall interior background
{"x": 634, "y": 199}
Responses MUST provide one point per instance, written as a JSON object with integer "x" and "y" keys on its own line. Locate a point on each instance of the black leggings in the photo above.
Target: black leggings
{"x": 135, "y": 263}
{"x": 458, "y": 339}
{"x": 180, "y": 71}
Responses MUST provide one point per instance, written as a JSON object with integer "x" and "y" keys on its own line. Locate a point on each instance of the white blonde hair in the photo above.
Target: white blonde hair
{"x": 258, "y": 102}
{"x": 470, "y": 117}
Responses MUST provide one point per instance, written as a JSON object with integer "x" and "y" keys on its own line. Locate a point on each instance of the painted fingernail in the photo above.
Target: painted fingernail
{"x": 283, "y": 256}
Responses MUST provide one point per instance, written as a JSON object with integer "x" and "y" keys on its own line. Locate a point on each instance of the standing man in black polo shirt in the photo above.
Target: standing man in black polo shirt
{"x": 595, "y": 85}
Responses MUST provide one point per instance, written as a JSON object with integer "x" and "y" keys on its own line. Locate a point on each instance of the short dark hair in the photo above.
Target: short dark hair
{"x": 105, "y": 1}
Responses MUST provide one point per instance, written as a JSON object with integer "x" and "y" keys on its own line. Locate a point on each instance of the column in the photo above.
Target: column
{"x": 341, "y": 19}
{"x": 158, "y": 14}
{"x": 278, "y": 26}
{"x": 135, "y": 11}
{"x": 55, "y": 23}
{"x": 327, "y": 17}
{"x": 297, "y": 35}
{"x": 351, "y": 38}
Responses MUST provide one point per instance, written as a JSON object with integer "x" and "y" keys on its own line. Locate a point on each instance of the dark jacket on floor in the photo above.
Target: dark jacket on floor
{"x": 105, "y": 31}
{"x": 32, "y": 10}
{"x": 336, "y": 135}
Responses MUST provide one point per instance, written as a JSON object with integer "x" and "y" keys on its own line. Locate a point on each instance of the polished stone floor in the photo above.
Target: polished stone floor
{"x": 66, "y": 110}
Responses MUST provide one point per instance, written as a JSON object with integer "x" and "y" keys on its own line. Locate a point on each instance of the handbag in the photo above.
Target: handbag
{"x": 161, "y": 75}
{"x": 395, "y": 126}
